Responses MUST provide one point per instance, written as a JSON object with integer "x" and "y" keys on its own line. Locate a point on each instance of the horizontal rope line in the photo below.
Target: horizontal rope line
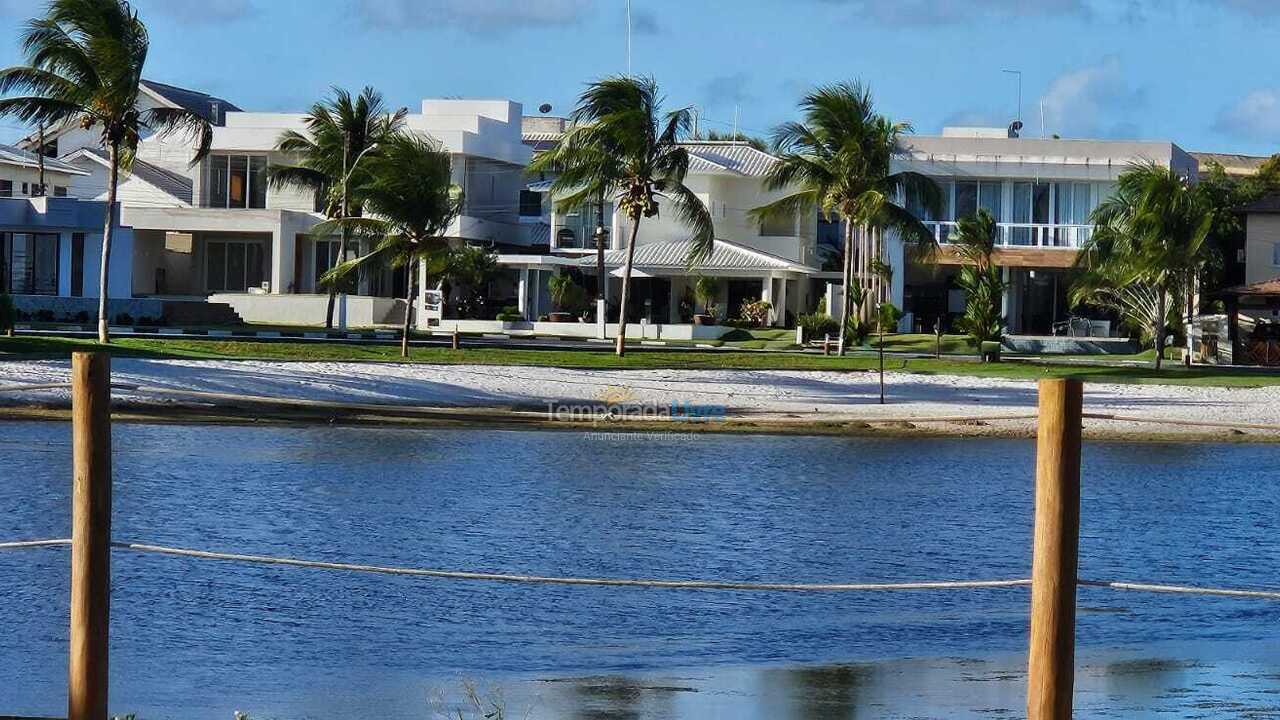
{"x": 1173, "y": 421}
{"x": 1182, "y": 589}
{"x": 668, "y": 584}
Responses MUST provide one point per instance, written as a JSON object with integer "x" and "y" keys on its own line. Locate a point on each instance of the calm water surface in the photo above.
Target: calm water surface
{"x": 199, "y": 639}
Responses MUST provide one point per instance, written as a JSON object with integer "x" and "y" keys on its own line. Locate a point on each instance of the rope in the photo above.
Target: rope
{"x": 1182, "y": 589}
{"x": 649, "y": 583}
{"x": 1187, "y": 423}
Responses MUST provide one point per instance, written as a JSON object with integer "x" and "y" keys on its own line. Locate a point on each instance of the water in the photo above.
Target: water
{"x": 198, "y": 638}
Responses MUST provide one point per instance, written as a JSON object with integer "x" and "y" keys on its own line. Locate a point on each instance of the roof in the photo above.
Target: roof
{"x": 724, "y": 256}
{"x": 10, "y": 155}
{"x": 1269, "y": 203}
{"x": 1270, "y": 288}
{"x": 706, "y": 156}
{"x": 211, "y": 108}
{"x": 1232, "y": 163}
{"x": 167, "y": 181}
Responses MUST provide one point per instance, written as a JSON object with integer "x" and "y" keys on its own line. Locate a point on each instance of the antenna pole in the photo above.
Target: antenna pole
{"x": 628, "y": 38}
{"x": 1019, "y": 74}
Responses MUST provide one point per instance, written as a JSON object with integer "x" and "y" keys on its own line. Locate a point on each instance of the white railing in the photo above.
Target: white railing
{"x": 1031, "y": 235}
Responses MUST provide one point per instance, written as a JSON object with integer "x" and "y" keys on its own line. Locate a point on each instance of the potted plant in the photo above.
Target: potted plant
{"x": 566, "y": 295}
{"x": 706, "y": 290}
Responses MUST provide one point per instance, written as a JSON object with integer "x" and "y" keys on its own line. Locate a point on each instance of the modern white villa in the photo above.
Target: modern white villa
{"x": 751, "y": 261}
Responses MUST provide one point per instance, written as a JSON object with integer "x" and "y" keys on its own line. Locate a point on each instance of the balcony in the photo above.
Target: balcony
{"x": 1024, "y": 235}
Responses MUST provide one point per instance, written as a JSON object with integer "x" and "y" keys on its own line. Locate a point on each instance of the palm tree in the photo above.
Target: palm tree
{"x": 84, "y": 65}
{"x": 622, "y": 145}
{"x": 975, "y": 242}
{"x": 839, "y": 159}
{"x": 411, "y": 201}
{"x": 1153, "y": 230}
{"x": 340, "y": 132}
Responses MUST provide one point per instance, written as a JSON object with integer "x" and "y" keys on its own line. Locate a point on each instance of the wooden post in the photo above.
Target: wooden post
{"x": 1051, "y": 660}
{"x": 456, "y": 341}
{"x": 90, "y": 535}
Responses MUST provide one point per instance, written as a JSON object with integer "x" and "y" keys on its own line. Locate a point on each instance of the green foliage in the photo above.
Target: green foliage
{"x": 510, "y": 313}
{"x": 817, "y": 325}
{"x": 466, "y": 272}
{"x": 706, "y": 290}
{"x": 887, "y": 318}
{"x": 855, "y": 331}
{"x": 981, "y": 280}
{"x": 8, "y": 313}
{"x": 567, "y": 295}
{"x": 716, "y": 136}
{"x": 755, "y": 313}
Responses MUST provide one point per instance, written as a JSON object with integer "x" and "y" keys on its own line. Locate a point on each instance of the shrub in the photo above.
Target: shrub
{"x": 510, "y": 313}
{"x": 855, "y": 331}
{"x": 818, "y": 325}
{"x": 706, "y": 290}
{"x": 567, "y": 295}
{"x": 8, "y": 314}
{"x": 124, "y": 318}
{"x": 887, "y": 318}
{"x": 755, "y": 313}
{"x": 44, "y": 316}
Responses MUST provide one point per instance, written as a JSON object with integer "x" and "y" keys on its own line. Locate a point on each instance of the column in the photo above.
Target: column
{"x": 780, "y": 318}
{"x": 522, "y": 291}
{"x": 282, "y": 250}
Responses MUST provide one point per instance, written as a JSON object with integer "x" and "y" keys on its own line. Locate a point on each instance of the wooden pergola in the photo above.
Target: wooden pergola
{"x": 1263, "y": 346}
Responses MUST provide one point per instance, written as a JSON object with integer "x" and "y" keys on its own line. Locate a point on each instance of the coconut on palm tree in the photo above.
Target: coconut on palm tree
{"x": 838, "y": 161}
{"x": 1153, "y": 230}
{"x": 84, "y": 65}
{"x": 410, "y": 201}
{"x": 341, "y": 132}
{"x": 622, "y": 145}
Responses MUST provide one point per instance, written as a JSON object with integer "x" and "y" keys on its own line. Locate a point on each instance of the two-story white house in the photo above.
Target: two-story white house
{"x": 1041, "y": 192}
{"x": 217, "y": 232}
{"x": 751, "y": 260}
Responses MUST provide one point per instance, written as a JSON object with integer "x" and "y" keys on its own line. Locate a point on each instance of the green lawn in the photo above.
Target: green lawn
{"x": 24, "y": 347}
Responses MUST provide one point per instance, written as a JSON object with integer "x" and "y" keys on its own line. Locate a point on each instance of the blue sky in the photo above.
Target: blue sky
{"x": 1203, "y": 73}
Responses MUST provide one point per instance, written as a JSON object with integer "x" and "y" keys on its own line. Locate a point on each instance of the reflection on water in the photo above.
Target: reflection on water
{"x": 197, "y": 639}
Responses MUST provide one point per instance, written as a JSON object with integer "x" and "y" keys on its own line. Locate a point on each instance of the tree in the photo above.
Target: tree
{"x": 341, "y": 132}
{"x": 839, "y": 159}
{"x": 410, "y": 200}
{"x": 469, "y": 269}
{"x": 623, "y": 146}
{"x": 84, "y": 65}
{"x": 1153, "y": 230}
{"x": 706, "y": 290}
{"x": 975, "y": 242}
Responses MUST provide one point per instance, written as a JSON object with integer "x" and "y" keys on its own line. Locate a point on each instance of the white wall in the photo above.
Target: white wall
{"x": 18, "y": 175}
{"x": 1263, "y": 232}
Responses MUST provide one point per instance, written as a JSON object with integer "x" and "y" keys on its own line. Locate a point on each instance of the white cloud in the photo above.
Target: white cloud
{"x": 1256, "y": 116}
{"x": 1093, "y": 101}
{"x": 949, "y": 12}
{"x": 470, "y": 15}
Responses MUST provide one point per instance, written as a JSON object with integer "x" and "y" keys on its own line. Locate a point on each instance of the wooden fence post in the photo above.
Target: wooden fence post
{"x": 1051, "y": 659}
{"x": 90, "y": 535}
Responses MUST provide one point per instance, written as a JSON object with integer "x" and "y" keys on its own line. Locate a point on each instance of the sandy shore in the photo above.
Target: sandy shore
{"x": 764, "y": 398}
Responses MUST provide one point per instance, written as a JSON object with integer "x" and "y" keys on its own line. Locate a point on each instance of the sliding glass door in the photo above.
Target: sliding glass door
{"x": 234, "y": 265}
{"x": 29, "y": 263}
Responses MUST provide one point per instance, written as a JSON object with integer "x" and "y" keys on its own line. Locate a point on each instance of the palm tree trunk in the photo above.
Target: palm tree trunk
{"x": 113, "y": 179}
{"x": 410, "y": 296}
{"x": 1158, "y": 325}
{"x": 848, "y": 283}
{"x": 626, "y": 288}
{"x": 1190, "y": 321}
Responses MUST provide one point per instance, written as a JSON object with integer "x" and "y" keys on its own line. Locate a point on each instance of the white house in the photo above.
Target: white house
{"x": 20, "y": 174}
{"x": 1041, "y": 192}
{"x": 752, "y": 260}
{"x": 217, "y": 232}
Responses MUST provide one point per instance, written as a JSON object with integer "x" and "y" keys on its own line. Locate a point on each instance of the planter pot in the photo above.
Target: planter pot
{"x": 707, "y": 320}
{"x": 560, "y": 317}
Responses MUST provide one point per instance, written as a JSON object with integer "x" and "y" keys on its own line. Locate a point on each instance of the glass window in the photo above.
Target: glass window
{"x": 530, "y": 203}
{"x": 778, "y": 226}
{"x": 217, "y": 267}
{"x": 1275, "y": 254}
{"x": 6, "y": 188}
{"x": 915, "y": 204}
{"x": 1021, "y": 213}
{"x": 966, "y": 199}
{"x": 59, "y": 191}
{"x": 1040, "y": 203}
{"x": 1062, "y": 200}
{"x": 1081, "y": 207}
{"x": 258, "y": 181}
{"x": 238, "y": 184}
{"x": 77, "y": 264}
{"x": 989, "y": 198}
{"x": 218, "y": 181}
{"x": 326, "y": 258}
{"x": 235, "y": 267}
{"x": 32, "y": 263}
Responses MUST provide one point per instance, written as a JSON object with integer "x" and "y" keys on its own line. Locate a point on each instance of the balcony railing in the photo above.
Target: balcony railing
{"x": 1028, "y": 235}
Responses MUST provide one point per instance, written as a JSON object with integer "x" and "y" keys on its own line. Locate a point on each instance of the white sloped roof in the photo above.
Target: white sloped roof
{"x": 10, "y": 155}
{"x": 735, "y": 157}
{"x": 724, "y": 256}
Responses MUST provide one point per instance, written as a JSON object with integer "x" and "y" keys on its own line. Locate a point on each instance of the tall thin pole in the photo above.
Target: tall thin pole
{"x": 90, "y": 536}
{"x": 880, "y": 325}
{"x": 40, "y": 159}
{"x": 628, "y": 38}
{"x": 1019, "y": 74}
{"x": 1051, "y": 657}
